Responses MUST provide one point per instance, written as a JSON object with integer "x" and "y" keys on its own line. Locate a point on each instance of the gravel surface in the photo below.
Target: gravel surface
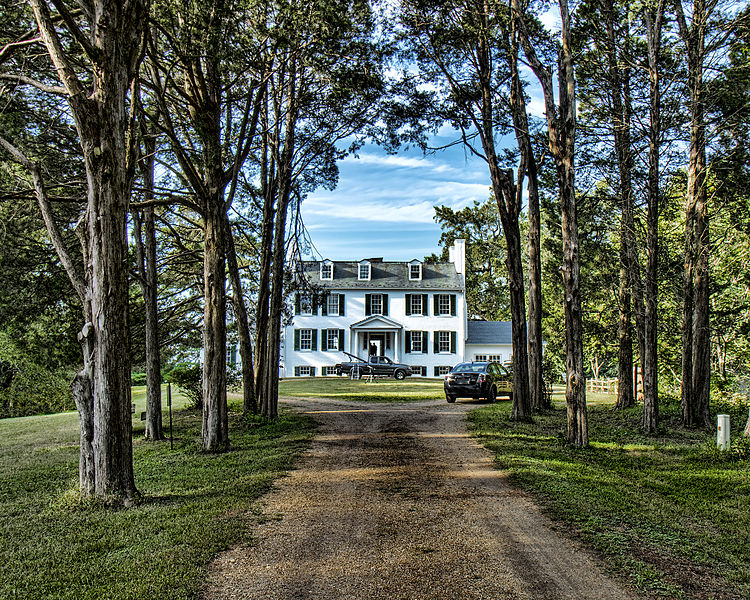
{"x": 397, "y": 501}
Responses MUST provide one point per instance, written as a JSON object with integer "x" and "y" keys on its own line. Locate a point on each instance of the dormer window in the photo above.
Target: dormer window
{"x": 326, "y": 271}
{"x": 364, "y": 271}
{"x": 415, "y": 271}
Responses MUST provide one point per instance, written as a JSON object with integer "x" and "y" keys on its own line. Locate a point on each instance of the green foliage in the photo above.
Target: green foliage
{"x": 138, "y": 378}
{"x": 667, "y": 512}
{"x": 189, "y": 378}
{"x": 28, "y": 388}
{"x": 193, "y": 505}
{"x": 486, "y": 271}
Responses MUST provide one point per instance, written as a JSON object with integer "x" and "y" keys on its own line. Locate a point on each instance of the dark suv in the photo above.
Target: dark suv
{"x": 478, "y": 380}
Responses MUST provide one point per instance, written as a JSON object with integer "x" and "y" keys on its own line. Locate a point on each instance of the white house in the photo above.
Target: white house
{"x": 412, "y": 312}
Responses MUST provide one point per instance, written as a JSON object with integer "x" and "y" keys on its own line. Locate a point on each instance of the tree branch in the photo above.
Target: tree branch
{"x": 50, "y": 89}
{"x": 52, "y": 229}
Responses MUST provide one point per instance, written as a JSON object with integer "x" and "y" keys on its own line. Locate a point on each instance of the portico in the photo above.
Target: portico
{"x": 379, "y": 331}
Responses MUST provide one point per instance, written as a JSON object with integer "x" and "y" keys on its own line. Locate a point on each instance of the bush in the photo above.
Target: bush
{"x": 138, "y": 378}
{"x": 189, "y": 378}
{"x": 27, "y": 388}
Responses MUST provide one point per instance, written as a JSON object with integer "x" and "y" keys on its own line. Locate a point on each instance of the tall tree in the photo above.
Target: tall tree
{"x": 207, "y": 85}
{"x": 561, "y": 129}
{"x": 696, "y": 333}
{"x": 458, "y": 47}
{"x": 96, "y": 85}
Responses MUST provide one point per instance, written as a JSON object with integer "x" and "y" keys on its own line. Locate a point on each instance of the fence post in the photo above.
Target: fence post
{"x": 722, "y": 432}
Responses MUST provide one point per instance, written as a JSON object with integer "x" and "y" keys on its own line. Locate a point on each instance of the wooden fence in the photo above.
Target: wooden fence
{"x": 602, "y": 386}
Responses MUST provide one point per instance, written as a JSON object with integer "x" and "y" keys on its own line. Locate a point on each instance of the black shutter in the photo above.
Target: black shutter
{"x": 453, "y": 305}
{"x": 436, "y": 304}
{"x": 296, "y": 340}
{"x": 408, "y": 343}
{"x": 315, "y": 301}
{"x": 312, "y": 371}
{"x": 424, "y": 342}
{"x": 324, "y": 340}
{"x": 436, "y": 342}
{"x": 453, "y": 342}
{"x": 408, "y": 305}
{"x": 342, "y": 305}
{"x": 324, "y": 306}
{"x": 437, "y": 371}
{"x": 314, "y": 339}
{"x": 296, "y": 371}
{"x": 368, "y": 302}
{"x": 297, "y": 304}
{"x": 385, "y": 305}
{"x": 341, "y": 340}
{"x": 425, "y": 305}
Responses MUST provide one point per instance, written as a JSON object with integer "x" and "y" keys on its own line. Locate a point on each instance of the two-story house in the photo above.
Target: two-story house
{"x": 411, "y": 312}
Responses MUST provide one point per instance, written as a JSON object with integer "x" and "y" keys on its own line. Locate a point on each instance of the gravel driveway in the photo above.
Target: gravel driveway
{"x": 397, "y": 501}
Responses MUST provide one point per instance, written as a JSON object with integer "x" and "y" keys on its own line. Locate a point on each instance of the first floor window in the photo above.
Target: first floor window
{"x": 305, "y": 339}
{"x": 440, "y": 371}
{"x": 332, "y": 337}
{"x": 444, "y": 341}
{"x": 304, "y": 371}
{"x": 416, "y": 342}
{"x": 419, "y": 370}
{"x": 329, "y": 371}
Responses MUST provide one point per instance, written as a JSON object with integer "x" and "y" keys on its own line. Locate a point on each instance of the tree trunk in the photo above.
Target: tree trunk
{"x": 215, "y": 431}
{"x": 83, "y": 395}
{"x": 650, "y": 362}
{"x": 620, "y": 119}
{"x": 249, "y": 404}
{"x": 575, "y": 392}
{"x": 746, "y": 433}
{"x": 696, "y": 327}
{"x": 537, "y": 397}
{"x": 146, "y": 253}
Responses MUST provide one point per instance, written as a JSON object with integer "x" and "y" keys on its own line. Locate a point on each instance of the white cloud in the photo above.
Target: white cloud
{"x": 399, "y": 162}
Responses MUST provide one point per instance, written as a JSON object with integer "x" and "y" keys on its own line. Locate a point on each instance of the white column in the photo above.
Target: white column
{"x": 722, "y": 432}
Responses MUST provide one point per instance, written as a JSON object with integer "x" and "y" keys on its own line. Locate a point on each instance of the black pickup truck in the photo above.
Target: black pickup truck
{"x": 375, "y": 365}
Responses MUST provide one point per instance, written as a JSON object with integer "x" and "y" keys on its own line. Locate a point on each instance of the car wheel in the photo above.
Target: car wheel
{"x": 399, "y": 375}
{"x": 492, "y": 396}
{"x": 450, "y": 399}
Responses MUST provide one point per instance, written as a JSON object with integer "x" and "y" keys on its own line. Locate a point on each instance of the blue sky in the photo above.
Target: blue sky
{"x": 383, "y": 205}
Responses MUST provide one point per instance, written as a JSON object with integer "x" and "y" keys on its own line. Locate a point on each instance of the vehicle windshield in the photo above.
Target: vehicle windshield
{"x": 469, "y": 368}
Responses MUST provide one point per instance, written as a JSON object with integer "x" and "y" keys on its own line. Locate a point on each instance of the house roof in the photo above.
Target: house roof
{"x": 489, "y": 332}
{"x": 386, "y": 276}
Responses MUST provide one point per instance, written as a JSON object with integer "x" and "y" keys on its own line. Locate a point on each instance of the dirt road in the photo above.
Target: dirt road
{"x": 397, "y": 501}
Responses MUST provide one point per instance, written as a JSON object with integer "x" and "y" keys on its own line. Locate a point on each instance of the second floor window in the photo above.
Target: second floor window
{"x": 305, "y": 339}
{"x": 305, "y": 305}
{"x": 376, "y": 304}
{"x": 444, "y": 341}
{"x": 444, "y": 304}
{"x": 416, "y": 304}
{"x": 333, "y": 305}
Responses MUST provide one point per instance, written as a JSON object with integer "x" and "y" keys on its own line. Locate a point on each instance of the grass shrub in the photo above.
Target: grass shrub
{"x": 55, "y": 545}
{"x": 668, "y": 511}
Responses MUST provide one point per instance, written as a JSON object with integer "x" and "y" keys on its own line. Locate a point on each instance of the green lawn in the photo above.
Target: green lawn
{"x": 668, "y": 512}
{"x": 380, "y": 390}
{"x": 53, "y": 545}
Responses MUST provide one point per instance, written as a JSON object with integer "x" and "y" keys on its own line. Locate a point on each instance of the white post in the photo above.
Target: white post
{"x": 722, "y": 432}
